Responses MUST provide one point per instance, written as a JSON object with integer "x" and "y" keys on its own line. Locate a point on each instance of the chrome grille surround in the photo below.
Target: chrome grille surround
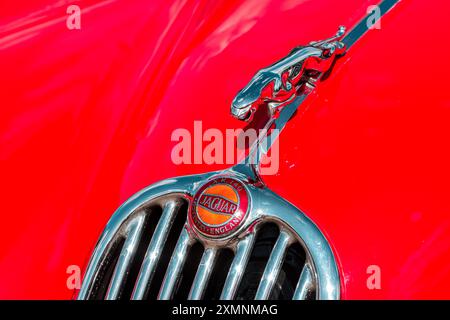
{"x": 319, "y": 273}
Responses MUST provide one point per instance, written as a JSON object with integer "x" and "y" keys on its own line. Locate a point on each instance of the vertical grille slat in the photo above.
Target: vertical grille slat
{"x": 126, "y": 257}
{"x": 273, "y": 266}
{"x": 305, "y": 284}
{"x": 175, "y": 267}
{"x": 203, "y": 274}
{"x": 243, "y": 251}
{"x": 154, "y": 250}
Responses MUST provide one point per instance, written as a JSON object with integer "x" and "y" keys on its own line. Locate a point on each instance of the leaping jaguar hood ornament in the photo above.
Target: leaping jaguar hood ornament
{"x": 280, "y": 82}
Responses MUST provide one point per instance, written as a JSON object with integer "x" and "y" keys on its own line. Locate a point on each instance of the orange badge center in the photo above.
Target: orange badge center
{"x": 217, "y": 204}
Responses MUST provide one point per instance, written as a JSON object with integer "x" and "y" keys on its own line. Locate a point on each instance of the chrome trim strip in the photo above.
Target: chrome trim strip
{"x": 155, "y": 248}
{"x": 175, "y": 267}
{"x": 203, "y": 273}
{"x": 126, "y": 257}
{"x": 305, "y": 284}
{"x": 237, "y": 268}
{"x": 361, "y": 27}
{"x": 273, "y": 266}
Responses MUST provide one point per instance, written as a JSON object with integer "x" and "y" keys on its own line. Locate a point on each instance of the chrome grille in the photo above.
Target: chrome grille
{"x": 128, "y": 259}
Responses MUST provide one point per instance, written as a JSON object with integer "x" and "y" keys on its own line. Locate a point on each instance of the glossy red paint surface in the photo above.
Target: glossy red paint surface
{"x": 86, "y": 118}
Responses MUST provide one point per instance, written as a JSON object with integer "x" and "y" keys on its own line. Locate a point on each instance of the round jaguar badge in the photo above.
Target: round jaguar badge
{"x": 219, "y": 207}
